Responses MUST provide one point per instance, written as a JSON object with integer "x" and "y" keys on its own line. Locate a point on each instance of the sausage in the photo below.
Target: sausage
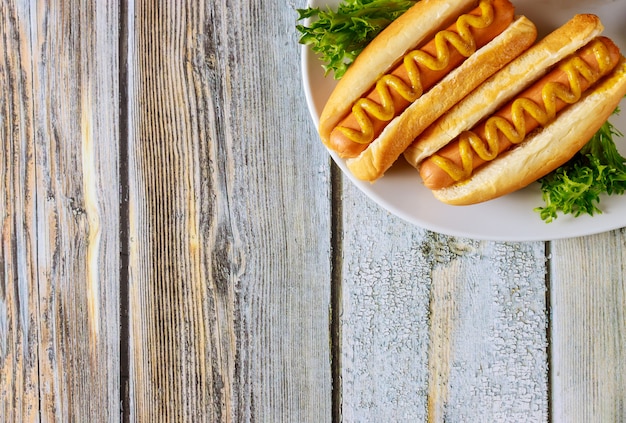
{"x": 528, "y": 111}
{"x": 397, "y": 90}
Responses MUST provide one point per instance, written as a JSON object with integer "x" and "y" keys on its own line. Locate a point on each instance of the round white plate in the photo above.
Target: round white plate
{"x": 509, "y": 218}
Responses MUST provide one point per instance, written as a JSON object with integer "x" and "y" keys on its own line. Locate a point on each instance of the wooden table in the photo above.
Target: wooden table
{"x": 177, "y": 246}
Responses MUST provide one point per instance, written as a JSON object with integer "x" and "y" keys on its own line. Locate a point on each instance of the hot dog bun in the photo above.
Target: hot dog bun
{"x": 385, "y": 52}
{"x": 546, "y": 150}
{"x": 504, "y": 85}
{"x": 533, "y": 108}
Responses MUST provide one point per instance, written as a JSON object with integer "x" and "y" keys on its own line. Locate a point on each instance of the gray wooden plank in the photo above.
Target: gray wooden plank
{"x": 19, "y": 332}
{"x": 77, "y": 150}
{"x": 229, "y": 233}
{"x": 59, "y": 210}
{"x": 588, "y": 303}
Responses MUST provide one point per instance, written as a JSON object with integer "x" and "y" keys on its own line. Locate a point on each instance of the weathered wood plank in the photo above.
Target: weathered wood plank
{"x": 488, "y": 340}
{"x": 76, "y": 119}
{"x": 588, "y": 303}
{"x": 60, "y": 217}
{"x": 60, "y": 248}
{"x": 229, "y": 237}
{"x": 384, "y": 316}
{"x": 439, "y": 328}
{"x": 19, "y": 381}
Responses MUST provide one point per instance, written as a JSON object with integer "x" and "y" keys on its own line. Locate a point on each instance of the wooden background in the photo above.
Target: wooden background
{"x": 167, "y": 254}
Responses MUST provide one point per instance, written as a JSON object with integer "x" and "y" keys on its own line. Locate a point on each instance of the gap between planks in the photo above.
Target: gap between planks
{"x": 336, "y": 298}
{"x": 124, "y": 277}
{"x": 548, "y": 311}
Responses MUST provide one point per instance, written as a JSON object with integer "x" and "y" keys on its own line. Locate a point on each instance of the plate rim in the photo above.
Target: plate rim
{"x": 603, "y": 224}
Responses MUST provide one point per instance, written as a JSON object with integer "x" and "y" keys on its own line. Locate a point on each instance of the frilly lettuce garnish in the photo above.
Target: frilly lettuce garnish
{"x": 575, "y": 188}
{"x": 339, "y": 36}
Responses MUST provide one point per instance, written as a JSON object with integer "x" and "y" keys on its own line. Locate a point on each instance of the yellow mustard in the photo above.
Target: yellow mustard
{"x": 464, "y": 42}
{"x": 488, "y": 149}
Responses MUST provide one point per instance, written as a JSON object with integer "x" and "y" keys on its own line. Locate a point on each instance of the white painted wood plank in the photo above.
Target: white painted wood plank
{"x": 439, "y": 328}
{"x": 488, "y": 352}
{"x": 588, "y": 303}
{"x": 384, "y": 317}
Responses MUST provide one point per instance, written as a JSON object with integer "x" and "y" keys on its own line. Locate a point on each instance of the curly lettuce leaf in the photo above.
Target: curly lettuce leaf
{"x": 339, "y": 36}
{"x": 575, "y": 188}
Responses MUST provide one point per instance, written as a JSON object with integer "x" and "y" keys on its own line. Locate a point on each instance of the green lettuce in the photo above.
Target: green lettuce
{"x": 575, "y": 188}
{"x": 339, "y": 36}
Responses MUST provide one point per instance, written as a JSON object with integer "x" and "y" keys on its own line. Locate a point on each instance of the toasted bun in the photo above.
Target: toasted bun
{"x": 401, "y": 36}
{"x": 504, "y": 85}
{"x": 545, "y": 151}
{"x": 374, "y": 161}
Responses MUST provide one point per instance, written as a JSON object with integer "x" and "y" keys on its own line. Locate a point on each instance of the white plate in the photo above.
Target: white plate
{"x": 509, "y": 218}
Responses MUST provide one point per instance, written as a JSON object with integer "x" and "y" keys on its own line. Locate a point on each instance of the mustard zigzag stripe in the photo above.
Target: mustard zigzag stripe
{"x": 463, "y": 42}
{"x": 487, "y": 149}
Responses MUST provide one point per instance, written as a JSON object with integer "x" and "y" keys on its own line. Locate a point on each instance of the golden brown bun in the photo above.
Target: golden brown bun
{"x": 504, "y": 85}
{"x": 374, "y": 161}
{"x": 545, "y": 151}
{"x": 401, "y": 36}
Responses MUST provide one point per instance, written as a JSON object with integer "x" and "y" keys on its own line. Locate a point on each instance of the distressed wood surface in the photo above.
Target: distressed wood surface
{"x": 229, "y": 264}
{"x": 439, "y": 328}
{"x": 60, "y": 249}
{"x": 588, "y": 298}
{"x": 19, "y": 295}
{"x": 166, "y": 253}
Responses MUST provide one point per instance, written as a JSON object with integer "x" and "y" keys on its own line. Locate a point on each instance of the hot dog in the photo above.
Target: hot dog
{"x": 501, "y": 87}
{"x": 536, "y": 106}
{"x": 541, "y": 154}
{"x": 413, "y": 72}
{"x": 546, "y": 118}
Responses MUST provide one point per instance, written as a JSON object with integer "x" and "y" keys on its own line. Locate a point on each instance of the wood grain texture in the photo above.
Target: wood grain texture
{"x": 77, "y": 149}
{"x": 176, "y": 246}
{"x": 61, "y": 221}
{"x": 19, "y": 332}
{"x": 437, "y": 328}
{"x": 229, "y": 239}
{"x": 588, "y": 303}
